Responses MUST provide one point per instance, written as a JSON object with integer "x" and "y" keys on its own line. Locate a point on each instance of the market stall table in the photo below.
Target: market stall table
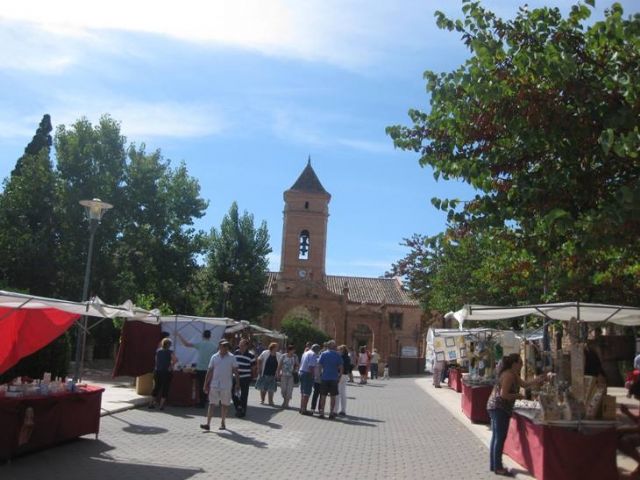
{"x": 561, "y": 452}
{"x": 474, "y": 401}
{"x": 455, "y": 379}
{"x": 183, "y": 391}
{"x": 56, "y": 419}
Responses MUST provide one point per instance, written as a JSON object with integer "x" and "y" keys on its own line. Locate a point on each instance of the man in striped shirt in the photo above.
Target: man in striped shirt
{"x": 246, "y": 371}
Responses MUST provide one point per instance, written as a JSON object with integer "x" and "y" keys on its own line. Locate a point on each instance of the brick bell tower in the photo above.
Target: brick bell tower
{"x": 304, "y": 235}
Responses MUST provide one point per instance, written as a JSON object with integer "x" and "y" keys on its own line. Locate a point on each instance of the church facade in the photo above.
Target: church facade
{"x": 356, "y": 311}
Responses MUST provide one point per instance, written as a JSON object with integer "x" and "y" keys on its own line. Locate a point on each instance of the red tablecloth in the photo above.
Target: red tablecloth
{"x": 183, "y": 391}
{"x": 562, "y": 453}
{"x": 474, "y": 402}
{"x": 455, "y": 379}
{"x": 57, "y": 418}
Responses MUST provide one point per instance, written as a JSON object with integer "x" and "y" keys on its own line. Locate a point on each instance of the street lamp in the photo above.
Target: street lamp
{"x": 95, "y": 209}
{"x": 226, "y": 287}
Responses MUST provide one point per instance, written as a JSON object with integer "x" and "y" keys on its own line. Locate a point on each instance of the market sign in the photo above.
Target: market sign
{"x": 409, "y": 351}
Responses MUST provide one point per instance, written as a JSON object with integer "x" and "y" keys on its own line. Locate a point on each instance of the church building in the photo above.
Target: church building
{"x": 356, "y": 311}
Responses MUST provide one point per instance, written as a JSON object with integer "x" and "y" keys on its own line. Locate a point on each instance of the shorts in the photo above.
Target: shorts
{"x": 220, "y": 395}
{"x": 329, "y": 387}
{"x": 362, "y": 369}
{"x": 306, "y": 383}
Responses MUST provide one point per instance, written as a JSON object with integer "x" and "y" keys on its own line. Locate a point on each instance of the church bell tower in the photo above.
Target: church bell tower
{"x": 304, "y": 236}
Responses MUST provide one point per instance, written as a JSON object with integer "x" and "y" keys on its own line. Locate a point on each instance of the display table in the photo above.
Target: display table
{"x": 455, "y": 379}
{"x": 56, "y": 419}
{"x": 183, "y": 391}
{"x": 474, "y": 401}
{"x": 552, "y": 452}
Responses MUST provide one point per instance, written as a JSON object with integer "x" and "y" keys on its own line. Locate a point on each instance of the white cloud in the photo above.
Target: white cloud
{"x": 139, "y": 121}
{"x": 142, "y": 120}
{"x": 331, "y": 31}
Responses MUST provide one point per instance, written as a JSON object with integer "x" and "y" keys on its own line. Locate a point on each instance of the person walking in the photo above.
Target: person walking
{"x": 373, "y": 363}
{"x": 218, "y": 382}
{"x": 352, "y": 358}
{"x": 307, "y": 374}
{"x": 165, "y": 360}
{"x": 500, "y": 406}
{"x": 341, "y": 400}
{"x": 246, "y": 372}
{"x": 331, "y": 370}
{"x": 287, "y": 366}
{"x": 267, "y": 368}
{"x": 363, "y": 364}
{"x": 206, "y": 348}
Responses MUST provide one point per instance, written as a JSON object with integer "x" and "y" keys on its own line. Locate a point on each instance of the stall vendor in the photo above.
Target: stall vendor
{"x": 206, "y": 348}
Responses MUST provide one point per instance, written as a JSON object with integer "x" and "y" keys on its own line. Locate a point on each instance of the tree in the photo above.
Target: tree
{"x": 147, "y": 243}
{"x": 446, "y": 272}
{"x": 300, "y": 331}
{"x": 238, "y": 256}
{"x": 27, "y": 219}
{"x": 28, "y": 243}
{"x": 543, "y": 120}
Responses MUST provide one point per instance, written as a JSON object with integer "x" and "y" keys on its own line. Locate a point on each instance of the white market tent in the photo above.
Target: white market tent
{"x": 582, "y": 312}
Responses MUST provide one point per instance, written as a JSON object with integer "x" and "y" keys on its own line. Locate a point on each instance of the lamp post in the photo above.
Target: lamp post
{"x": 95, "y": 209}
{"x": 226, "y": 287}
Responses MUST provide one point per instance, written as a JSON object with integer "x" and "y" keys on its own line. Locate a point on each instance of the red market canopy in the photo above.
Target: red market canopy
{"x": 28, "y": 323}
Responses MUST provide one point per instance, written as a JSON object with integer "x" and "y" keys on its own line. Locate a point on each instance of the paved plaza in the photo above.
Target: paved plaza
{"x": 394, "y": 429}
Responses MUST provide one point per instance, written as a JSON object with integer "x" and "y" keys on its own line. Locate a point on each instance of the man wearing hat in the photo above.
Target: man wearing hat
{"x": 218, "y": 383}
{"x": 308, "y": 365}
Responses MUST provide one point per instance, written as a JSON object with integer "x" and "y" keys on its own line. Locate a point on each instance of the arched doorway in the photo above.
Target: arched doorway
{"x": 361, "y": 336}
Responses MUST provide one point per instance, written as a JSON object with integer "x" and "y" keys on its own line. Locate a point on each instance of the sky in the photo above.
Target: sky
{"x": 244, "y": 92}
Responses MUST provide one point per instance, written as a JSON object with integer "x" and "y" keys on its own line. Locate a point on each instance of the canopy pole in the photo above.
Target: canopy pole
{"x": 524, "y": 334}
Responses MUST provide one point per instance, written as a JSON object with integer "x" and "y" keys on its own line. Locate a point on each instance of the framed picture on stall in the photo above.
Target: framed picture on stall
{"x": 440, "y": 357}
{"x": 450, "y": 342}
{"x": 463, "y": 353}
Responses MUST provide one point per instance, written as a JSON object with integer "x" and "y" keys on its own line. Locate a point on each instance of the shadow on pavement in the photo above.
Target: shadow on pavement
{"x": 262, "y": 415}
{"x": 139, "y": 429}
{"x": 241, "y": 439}
{"x": 90, "y": 460}
{"x": 360, "y": 421}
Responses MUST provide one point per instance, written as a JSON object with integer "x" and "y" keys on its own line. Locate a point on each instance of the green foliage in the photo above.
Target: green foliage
{"x": 237, "y": 254}
{"x": 543, "y": 120}
{"x": 27, "y": 221}
{"x": 146, "y": 243}
{"x": 299, "y": 331}
{"x": 446, "y": 271}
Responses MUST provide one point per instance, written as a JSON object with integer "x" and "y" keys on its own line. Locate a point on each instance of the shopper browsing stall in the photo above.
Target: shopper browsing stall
{"x": 165, "y": 360}
{"x": 206, "y": 348}
{"x": 500, "y": 407}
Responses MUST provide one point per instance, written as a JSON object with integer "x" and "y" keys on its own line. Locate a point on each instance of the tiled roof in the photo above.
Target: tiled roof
{"x": 361, "y": 289}
{"x": 370, "y": 290}
{"x": 308, "y": 181}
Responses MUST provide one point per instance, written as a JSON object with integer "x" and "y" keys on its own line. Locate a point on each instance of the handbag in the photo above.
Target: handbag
{"x": 296, "y": 378}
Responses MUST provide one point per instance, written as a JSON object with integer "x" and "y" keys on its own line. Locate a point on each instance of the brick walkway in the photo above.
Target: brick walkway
{"x": 393, "y": 431}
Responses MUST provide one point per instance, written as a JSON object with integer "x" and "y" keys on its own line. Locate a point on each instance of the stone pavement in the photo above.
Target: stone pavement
{"x": 394, "y": 430}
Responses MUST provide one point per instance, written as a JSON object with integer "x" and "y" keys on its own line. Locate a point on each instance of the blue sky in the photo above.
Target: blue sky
{"x": 243, "y": 92}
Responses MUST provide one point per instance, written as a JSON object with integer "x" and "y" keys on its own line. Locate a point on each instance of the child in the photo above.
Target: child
{"x": 385, "y": 374}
